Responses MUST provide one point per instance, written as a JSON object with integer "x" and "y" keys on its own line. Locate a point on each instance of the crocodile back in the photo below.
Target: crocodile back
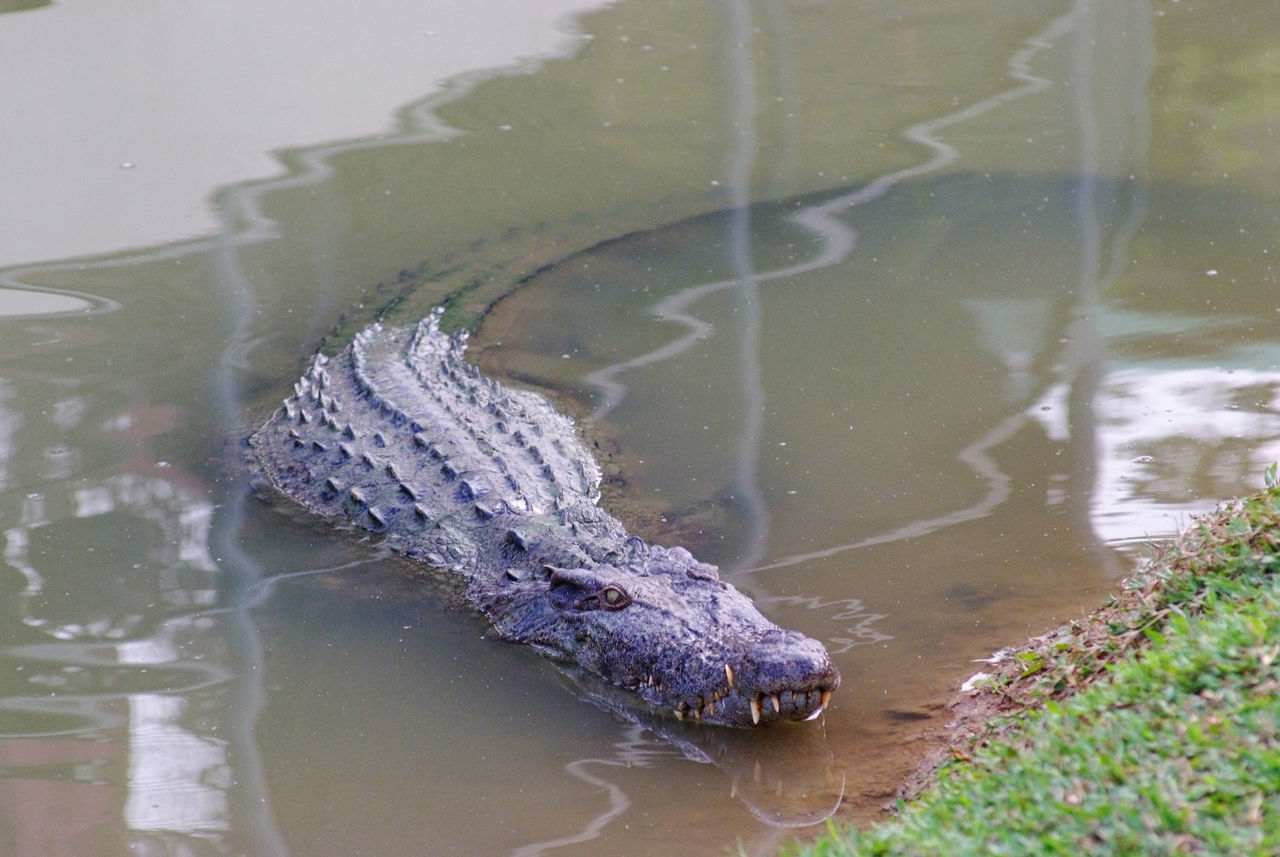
{"x": 399, "y": 434}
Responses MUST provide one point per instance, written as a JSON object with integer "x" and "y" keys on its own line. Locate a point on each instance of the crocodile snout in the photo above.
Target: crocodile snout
{"x": 790, "y": 677}
{"x": 782, "y": 675}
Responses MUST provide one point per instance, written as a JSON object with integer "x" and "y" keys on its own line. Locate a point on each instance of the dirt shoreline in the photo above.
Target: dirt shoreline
{"x": 966, "y": 720}
{"x": 1063, "y": 661}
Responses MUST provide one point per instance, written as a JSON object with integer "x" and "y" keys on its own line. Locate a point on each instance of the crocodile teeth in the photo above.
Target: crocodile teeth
{"x": 826, "y": 697}
{"x": 755, "y": 710}
{"x": 728, "y": 674}
{"x": 777, "y": 703}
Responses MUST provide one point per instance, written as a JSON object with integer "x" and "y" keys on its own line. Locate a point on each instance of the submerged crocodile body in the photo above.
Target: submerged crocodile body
{"x": 400, "y": 435}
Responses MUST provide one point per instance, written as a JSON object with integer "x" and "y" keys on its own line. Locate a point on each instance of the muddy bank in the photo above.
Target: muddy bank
{"x": 1177, "y": 580}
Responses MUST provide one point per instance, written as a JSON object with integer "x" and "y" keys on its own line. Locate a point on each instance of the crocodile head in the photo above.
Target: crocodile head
{"x": 667, "y": 628}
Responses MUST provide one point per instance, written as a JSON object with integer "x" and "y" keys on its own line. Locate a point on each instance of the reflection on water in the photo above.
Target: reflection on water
{"x": 914, "y": 342}
{"x": 18, "y": 302}
{"x": 835, "y": 240}
{"x": 93, "y": 663}
{"x": 189, "y": 98}
{"x": 1156, "y": 426}
{"x": 786, "y": 777}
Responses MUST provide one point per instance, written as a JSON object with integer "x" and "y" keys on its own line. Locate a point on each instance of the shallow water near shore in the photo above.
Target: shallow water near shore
{"x": 919, "y": 325}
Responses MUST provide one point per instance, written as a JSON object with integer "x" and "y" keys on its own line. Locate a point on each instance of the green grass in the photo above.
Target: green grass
{"x": 1152, "y": 727}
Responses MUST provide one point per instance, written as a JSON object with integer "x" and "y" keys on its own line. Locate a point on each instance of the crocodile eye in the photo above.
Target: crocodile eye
{"x": 613, "y": 598}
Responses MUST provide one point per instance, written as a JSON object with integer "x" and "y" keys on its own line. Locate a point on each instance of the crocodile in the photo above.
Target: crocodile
{"x": 400, "y": 436}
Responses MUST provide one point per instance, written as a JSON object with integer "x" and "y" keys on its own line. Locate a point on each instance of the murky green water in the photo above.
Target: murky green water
{"x": 918, "y": 324}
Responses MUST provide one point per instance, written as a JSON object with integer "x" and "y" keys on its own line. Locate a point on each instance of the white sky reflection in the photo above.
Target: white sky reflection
{"x": 1157, "y": 429}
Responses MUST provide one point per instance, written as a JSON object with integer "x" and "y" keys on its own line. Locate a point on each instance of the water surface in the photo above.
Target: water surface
{"x": 918, "y": 321}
